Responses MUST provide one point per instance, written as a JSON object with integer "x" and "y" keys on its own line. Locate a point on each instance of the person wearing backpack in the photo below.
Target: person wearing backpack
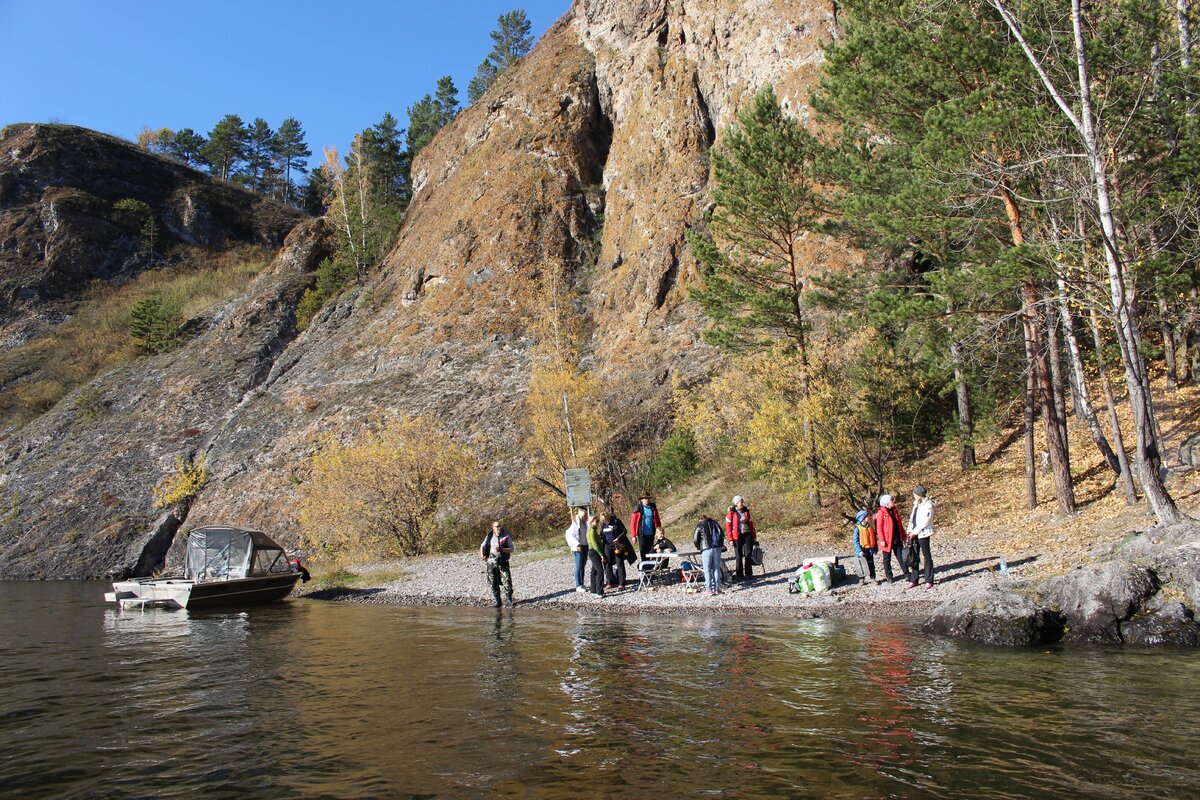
{"x": 864, "y": 546}
{"x": 889, "y": 530}
{"x": 710, "y": 541}
{"x": 919, "y": 531}
{"x": 496, "y": 549}
{"x": 617, "y": 549}
{"x": 739, "y": 529}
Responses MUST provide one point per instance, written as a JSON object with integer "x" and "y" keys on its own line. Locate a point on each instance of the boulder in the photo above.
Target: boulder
{"x": 1094, "y": 601}
{"x": 1169, "y": 624}
{"x": 1189, "y": 451}
{"x": 995, "y": 616}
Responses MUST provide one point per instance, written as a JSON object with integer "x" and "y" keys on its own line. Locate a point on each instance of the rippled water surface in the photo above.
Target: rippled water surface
{"x": 309, "y": 699}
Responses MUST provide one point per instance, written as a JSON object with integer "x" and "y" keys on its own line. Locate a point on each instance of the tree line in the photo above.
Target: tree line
{"x": 1020, "y": 179}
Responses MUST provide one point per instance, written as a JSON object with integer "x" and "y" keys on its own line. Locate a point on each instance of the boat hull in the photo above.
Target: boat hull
{"x": 183, "y": 593}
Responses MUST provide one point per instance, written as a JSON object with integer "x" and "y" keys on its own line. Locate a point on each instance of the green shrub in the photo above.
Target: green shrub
{"x": 154, "y": 323}
{"x": 677, "y": 460}
{"x": 89, "y": 403}
{"x": 333, "y": 275}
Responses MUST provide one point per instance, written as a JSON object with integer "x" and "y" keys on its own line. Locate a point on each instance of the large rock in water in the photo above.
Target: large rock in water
{"x": 1095, "y": 600}
{"x": 589, "y": 157}
{"x": 995, "y": 616}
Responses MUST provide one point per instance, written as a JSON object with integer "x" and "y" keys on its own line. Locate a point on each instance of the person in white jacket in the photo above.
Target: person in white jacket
{"x": 576, "y": 536}
{"x": 918, "y": 532}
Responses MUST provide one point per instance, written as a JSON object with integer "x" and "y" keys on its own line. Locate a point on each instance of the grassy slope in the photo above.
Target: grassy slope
{"x": 95, "y": 338}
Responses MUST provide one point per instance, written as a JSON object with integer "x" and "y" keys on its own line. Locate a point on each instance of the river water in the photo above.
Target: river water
{"x": 307, "y": 699}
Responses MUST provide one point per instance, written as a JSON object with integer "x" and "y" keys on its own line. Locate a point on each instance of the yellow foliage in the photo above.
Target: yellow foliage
{"x": 564, "y": 409}
{"x": 381, "y": 493}
{"x": 183, "y": 484}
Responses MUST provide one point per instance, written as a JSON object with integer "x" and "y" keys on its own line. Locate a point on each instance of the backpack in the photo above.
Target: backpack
{"x": 866, "y": 536}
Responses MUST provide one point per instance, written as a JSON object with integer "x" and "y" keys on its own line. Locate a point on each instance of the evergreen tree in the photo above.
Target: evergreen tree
{"x": 291, "y": 152}
{"x": 430, "y": 114}
{"x": 765, "y": 202}
{"x": 226, "y": 147}
{"x": 188, "y": 147}
{"x": 315, "y": 192}
{"x": 385, "y": 150}
{"x": 261, "y": 156}
{"x": 510, "y": 41}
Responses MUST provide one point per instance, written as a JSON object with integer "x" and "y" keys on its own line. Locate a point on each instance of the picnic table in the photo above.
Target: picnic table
{"x": 659, "y": 565}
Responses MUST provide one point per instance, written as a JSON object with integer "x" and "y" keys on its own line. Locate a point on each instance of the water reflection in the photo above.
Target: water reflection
{"x": 317, "y": 700}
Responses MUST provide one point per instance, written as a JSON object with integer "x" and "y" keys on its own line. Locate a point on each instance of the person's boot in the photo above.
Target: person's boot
{"x": 508, "y": 601}
{"x": 497, "y": 603}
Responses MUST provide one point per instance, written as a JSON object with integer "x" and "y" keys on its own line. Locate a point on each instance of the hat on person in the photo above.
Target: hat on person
{"x": 919, "y": 491}
{"x": 861, "y": 516}
{"x": 884, "y": 499}
{"x": 737, "y": 498}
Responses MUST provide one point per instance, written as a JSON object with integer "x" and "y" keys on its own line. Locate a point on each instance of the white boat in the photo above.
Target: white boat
{"x": 224, "y": 566}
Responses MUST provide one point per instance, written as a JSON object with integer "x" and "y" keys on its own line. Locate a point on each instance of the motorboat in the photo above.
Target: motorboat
{"x": 224, "y": 566}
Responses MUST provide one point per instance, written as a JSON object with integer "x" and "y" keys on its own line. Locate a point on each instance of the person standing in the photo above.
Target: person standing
{"x": 739, "y": 529}
{"x": 888, "y": 533}
{"x": 710, "y": 541}
{"x": 617, "y": 548}
{"x": 576, "y": 536}
{"x": 595, "y": 556}
{"x": 496, "y": 549}
{"x": 644, "y": 523}
{"x": 864, "y": 546}
{"x": 920, "y": 529}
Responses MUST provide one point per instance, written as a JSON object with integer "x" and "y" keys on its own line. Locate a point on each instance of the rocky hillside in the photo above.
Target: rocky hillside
{"x": 59, "y": 231}
{"x": 591, "y": 155}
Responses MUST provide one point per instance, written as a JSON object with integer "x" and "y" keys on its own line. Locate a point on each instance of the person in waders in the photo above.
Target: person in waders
{"x": 496, "y": 549}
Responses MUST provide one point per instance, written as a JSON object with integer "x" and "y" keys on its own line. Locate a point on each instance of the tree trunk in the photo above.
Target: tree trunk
{"x": 966, "y": 424}
{"x": 1193, "y": 335}
{"x": 1056, "y": 380}
{"x": 1079, "y": 387}
{"x": 1124, "y": 311}
{"x": 1030, "y": 451}
{"x": 1168, "y": 335}
{"x": 1126, "y": 476}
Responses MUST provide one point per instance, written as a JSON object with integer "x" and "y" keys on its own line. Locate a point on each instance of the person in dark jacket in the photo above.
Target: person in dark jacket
{"x": 617, "y": 548}
{"x": 710, "y": 541}
{"x": 739, "y": 529}
{"x": 496, "y": 549}
{"x": 644, "y": 523}
{"x": 889, "y": 532}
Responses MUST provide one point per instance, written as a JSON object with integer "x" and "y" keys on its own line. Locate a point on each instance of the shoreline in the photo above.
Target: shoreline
{"x": 544, "y": 580}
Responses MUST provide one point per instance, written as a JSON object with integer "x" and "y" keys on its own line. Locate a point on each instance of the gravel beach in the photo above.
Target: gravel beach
{"x": 545, "y": 579}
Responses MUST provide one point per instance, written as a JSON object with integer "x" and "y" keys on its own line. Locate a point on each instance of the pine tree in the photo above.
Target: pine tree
{"x": 226, "y": 148}
{"x": 430, "y": 114}
{"x": 315, "y": 192}
{"x": 510, "y": 41}
{"x": 385, "y": 150}
{"x": 260, "y": 155}
{"x": 765, "y": 202}
{"x": 291, "y": 152}
{"x": 188, "y": 147}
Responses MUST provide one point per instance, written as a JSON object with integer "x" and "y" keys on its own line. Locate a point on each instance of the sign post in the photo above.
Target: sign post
{"x": 578, "y": 484}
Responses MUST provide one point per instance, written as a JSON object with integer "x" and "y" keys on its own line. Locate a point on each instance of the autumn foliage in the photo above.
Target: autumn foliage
{"x": 382, "y": 493}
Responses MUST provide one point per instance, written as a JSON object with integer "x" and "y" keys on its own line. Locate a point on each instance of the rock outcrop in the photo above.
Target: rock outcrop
{"x": 589, "y": 157}
{"x": 58, "y": 230}
{"x": 1144, "y": 592}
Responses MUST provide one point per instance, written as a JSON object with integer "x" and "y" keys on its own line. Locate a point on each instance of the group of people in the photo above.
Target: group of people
{"x": 604, "y": 543}
{"x": 885, "y": 533}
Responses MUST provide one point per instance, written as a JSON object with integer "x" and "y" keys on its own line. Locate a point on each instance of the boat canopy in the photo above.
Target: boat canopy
{"x": 224, "y": 554}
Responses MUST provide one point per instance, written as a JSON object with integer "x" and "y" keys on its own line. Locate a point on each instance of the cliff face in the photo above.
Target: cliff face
{"x": 58, "y": 230}
{"x": 590, "y": 156}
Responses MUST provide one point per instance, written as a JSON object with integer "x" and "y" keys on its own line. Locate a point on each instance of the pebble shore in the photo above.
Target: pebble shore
{"x": 545, "y": 579}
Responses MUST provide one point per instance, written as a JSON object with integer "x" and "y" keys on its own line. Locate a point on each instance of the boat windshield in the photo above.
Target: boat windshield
{"x": 267, "y": 561}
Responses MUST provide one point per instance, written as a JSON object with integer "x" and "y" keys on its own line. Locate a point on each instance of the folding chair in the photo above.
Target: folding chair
{"x": 650, "y": 567}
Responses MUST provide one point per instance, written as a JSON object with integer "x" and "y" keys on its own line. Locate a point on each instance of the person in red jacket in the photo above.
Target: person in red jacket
{"x": 889, "y": 535}
{"x": 739, "y": 529}
{"x": 644, "y": 523}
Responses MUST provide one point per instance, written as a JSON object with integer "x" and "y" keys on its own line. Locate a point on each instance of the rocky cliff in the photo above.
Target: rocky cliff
{"x": 58, "y": 230}
{"x": 590, "y": 156}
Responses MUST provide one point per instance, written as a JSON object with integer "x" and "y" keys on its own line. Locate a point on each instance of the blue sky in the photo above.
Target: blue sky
{"x": 120, "y": 65}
